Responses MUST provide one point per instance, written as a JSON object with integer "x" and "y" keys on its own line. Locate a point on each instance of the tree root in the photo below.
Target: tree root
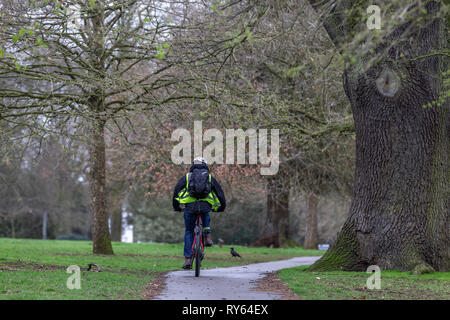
{"x": 422, "y": 268}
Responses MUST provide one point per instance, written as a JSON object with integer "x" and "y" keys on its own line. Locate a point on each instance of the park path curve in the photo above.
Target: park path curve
{"x": 231, "y": 283}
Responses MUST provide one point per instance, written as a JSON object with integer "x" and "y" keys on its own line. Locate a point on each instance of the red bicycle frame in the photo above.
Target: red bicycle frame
{"x": 199, "y": 225}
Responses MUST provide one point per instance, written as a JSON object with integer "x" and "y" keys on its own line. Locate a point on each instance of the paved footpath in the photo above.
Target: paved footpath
{"x": 233, "y": 283}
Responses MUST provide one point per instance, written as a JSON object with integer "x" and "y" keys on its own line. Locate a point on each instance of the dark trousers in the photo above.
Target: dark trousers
{"x": 190, "y": 216}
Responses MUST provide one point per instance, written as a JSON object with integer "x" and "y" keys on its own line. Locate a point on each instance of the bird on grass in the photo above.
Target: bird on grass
{"x": 90, "y": 265}
{"x": 234, "y": 253}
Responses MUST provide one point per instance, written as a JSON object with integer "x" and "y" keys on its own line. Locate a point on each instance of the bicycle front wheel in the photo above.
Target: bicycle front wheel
{"x": 198, "y": 254}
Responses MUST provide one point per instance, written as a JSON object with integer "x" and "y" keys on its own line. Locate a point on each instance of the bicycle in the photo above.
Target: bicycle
{"x": 198, "y": 249}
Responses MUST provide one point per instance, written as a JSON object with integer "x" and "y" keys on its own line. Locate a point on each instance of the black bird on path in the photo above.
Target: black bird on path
{"x": 234, "y": 253}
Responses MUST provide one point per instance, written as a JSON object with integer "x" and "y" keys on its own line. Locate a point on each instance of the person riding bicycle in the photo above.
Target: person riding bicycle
{"x": 200, "y": 193}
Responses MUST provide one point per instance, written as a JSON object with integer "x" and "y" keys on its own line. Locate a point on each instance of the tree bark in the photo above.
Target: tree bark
{"x": 101, "y": 238}
{"x": 116, "y": 223}
{"x": 399, "y": 216}
{"x": 311, "y": 237}
{"x": 276, "y": 231}
{"x": 100, "y": 234}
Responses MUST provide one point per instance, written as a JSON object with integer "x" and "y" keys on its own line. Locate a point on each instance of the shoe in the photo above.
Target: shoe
{"x": 209, "y": 241}
{"x": 187, "y": 264}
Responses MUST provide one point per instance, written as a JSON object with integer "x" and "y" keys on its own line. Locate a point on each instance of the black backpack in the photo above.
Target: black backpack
{"x": 199, "y": 185}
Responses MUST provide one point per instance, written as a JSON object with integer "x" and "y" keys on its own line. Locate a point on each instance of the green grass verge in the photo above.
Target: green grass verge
{"x": 36, "y": 269}
{"x": 352, "y": 285}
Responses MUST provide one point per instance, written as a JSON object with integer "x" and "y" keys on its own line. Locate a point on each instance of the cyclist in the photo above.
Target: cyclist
{"x": 215, "y": 201}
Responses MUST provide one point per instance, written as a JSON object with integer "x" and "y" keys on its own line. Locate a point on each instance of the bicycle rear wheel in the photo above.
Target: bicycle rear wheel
{"x": 198, "y": 254}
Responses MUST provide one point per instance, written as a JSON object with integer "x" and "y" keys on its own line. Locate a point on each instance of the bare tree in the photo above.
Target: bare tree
{"x": 87, "y": 64}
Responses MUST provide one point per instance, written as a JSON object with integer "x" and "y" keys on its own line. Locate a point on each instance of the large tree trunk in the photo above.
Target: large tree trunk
{"x": 399, "y": 216}
{"x": 100, "y": 234}
{"x": 311, "y": 237}
{"x": 276, "y": 228}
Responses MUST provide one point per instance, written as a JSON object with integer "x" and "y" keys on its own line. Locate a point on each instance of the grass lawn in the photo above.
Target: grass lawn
{"x": 352, "y": 285}
{"x": 36, "y": 269}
